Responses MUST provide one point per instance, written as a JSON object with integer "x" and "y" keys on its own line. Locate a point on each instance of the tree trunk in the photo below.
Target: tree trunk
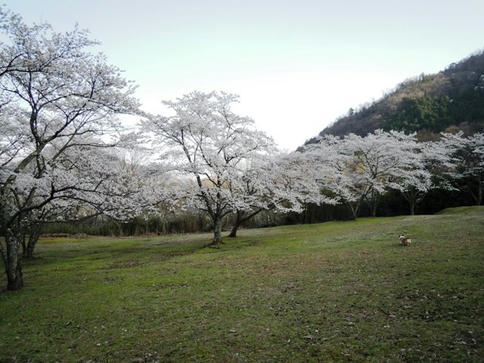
{"x": 411, "y": 196}
{"x": 22, "y": 242}
{"x": 33, "y": 239}
{"x": 217, "y": 231}
{"x": 412, "y": 207}
{"x": 479, "y": 190}
{"x": 354, "y": 207}
{"x": 374, "y": 204}
{"x": 477, "y": 196}
{"x": 13, "y": 266}
{"x": 354, "y": 212}
{"x": 235, "y": 227}
{"x": 241, "y": 218}
{"x": 233, "y": 231}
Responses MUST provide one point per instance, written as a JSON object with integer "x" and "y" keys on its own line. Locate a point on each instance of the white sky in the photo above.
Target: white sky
{"x": 297, "y": 65}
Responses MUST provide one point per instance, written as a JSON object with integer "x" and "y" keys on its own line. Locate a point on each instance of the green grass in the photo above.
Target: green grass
{"x": 335, "y": 291}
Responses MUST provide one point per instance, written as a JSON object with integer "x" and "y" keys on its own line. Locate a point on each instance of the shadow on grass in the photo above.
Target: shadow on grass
{"x": 117, "y": 256}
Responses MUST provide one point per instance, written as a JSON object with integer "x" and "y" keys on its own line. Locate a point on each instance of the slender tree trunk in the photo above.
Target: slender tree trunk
{"x": 354, "y": 209}
{"x": 374, "y": 204}
{"x": 412, "y": 207}
{"x": 355, "y": 206}
{"x": 477, "y": 195}
{"x": 13, "y": 266}
{"x": 479, "y": 190}
{"x": 411, "y": 196}
{"x": 33, "y": 239}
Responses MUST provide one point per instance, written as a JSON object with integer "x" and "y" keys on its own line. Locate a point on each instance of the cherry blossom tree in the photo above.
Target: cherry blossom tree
{"x": 206, "y": 141}
{"x": 356, "y": 168}
{"x": 58, "y": 104}
{"x": 414, "y": 185}
{"x": 415, "y": 180}
{"x": 379, "y": 160}
{"x": 426, "y": 172}
{"x": 280, "y": 183}
{"x": 253, "y": 185}
{"x": 336, "y": 172}
{"x": 467, "y": 157}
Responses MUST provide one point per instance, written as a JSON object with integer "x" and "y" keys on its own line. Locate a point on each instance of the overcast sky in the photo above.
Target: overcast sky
{"x": 297, "y": 65}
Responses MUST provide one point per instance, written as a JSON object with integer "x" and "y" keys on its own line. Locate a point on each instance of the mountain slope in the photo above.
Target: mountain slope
{"x": 426, "y": 104}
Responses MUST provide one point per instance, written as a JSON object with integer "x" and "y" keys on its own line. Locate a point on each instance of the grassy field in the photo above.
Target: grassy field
{"x": 335, "y": 291}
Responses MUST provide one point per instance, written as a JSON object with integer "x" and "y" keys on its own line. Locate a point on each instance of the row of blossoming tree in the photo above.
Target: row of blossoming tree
{"x": 364, "y": 168}
{"x": 62, "y": 151}
{"x": 228, "y": 167}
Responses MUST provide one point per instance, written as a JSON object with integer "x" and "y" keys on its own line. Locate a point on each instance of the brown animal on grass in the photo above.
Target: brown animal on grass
{"x": 405, "y": 241}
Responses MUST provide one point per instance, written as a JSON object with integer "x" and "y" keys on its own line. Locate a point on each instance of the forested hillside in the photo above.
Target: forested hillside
{"x": 428, "y": 104}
